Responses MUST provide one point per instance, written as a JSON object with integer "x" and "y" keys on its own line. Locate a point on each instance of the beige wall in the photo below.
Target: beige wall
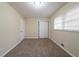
{"x": 31, "y": 27}
{"x": 9, "y": 27}
{"x": 70, "y": 39}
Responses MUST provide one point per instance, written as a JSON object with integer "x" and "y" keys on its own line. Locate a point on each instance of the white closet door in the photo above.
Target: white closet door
{"x": 43, "y": 29}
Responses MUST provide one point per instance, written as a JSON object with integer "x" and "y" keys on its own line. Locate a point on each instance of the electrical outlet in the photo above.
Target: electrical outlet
{"x": 62, "y": 44}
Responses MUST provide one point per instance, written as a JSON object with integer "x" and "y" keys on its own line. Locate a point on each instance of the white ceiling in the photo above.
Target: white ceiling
{"x": 27, "y": 10}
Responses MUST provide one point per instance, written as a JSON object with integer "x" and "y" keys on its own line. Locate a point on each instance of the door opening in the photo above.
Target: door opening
{"x": 43, "y": 29}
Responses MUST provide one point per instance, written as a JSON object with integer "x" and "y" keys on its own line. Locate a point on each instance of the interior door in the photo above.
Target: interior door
{"x": 43, "y": 29}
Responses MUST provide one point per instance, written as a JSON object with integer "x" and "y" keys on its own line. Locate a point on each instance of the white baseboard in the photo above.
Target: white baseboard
{"x": 63, "y": 48}
{"x": 11, "y": 48}
{"x": 31, "y": 37}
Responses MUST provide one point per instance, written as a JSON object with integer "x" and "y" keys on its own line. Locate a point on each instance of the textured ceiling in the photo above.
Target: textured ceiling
{"x": 28, "y": 10}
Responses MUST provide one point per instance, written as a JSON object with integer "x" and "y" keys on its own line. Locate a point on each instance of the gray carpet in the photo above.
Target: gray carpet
{"x": 37, "y": 48}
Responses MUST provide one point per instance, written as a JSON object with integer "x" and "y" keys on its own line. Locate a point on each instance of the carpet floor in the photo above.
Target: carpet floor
{"x": 37, "y": 48}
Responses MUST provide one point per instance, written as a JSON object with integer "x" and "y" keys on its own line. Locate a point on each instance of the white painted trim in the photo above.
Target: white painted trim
{"x": 30, "y": 37}
{"x": 63, "y": 48}
{"x": 11, "y": 48}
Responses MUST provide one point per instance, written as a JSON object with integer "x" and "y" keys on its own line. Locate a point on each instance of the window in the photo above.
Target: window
{"x": 58, "y": 23}
{"x": 69, "y": 22}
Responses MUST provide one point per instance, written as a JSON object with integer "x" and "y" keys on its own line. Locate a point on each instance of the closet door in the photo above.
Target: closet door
{"x": 43, "y": 29}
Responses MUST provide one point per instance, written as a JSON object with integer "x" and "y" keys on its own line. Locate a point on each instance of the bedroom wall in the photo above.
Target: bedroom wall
{"x": 9, "y": 28}
{"x": 31, "y": 27}
{"x": 70, "y": 39}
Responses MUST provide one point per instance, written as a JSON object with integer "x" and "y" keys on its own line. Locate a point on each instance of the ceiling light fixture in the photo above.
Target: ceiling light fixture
{"x": 37, "y": 4}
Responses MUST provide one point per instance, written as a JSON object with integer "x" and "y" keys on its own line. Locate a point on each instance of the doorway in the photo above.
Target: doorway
{"x": 43, "y": 29}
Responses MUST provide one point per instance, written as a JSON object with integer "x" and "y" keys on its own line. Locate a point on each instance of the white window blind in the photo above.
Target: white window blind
{"x": 69, "y": 22}
{"x": 58, "y": 23}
